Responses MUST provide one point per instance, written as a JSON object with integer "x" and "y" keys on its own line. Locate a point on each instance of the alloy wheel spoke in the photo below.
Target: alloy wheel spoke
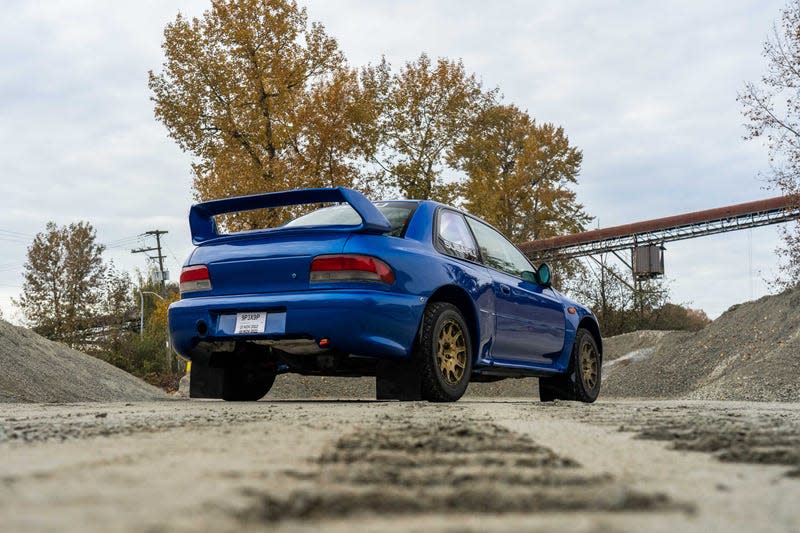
{"x": 451, "y": 352}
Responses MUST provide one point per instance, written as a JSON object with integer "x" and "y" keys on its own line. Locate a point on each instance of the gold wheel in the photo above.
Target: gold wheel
{"x": 589, "y": 361}
{"x": 451, "y": 352}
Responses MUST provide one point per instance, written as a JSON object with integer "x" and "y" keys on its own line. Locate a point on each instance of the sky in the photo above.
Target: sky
{"x": 647, "y": 90}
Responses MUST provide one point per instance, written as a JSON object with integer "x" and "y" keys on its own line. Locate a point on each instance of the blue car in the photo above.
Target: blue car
{"x": 422, "y": 296}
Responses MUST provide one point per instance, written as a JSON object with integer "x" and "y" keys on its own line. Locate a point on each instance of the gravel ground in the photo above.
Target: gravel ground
{"x": 748, "y": 353}
{"x": 294, "y": 386}
{"x": 628, "y": 344}
{"x": 34, "y": 369}
{"x": 498, "y": 460}
{"x": 476, "y": 465}
{"x": 739, "y": 432}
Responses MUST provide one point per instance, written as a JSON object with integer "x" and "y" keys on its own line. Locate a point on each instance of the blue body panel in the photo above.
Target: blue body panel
{"x": 516, "y": 325}
{"x": 361, "y": 322}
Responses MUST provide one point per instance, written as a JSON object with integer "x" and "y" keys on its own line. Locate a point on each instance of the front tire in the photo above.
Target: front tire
{"x": 444, "y": 353}
{"x": 582, "y": 380}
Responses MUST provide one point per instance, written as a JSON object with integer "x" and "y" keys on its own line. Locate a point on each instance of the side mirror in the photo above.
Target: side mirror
{"x": 543, "y": 276}
{"x": 527, "y": 275}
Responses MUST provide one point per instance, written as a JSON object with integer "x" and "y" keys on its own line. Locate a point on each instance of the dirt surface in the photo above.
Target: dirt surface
{"x": 34, "y": 369}
{"x": 295, "y": 386}
{"x": 476, "y": 465}
{"x": 498, "y": 460}
{"x": 748, "y": 353}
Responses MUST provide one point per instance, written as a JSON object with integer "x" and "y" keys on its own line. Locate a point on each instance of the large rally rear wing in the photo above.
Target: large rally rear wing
{"x": 204, "y": 227}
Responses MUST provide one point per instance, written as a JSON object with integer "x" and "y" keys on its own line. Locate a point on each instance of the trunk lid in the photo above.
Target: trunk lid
{"x": 265, "y": 263}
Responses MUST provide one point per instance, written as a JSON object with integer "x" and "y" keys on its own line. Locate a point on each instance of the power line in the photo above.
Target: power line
{"x": 160, "y": 256}
{"x": 123, "y": 242}
{"x": 17, "y": 233}
{"x": 14, "y": 238}
{"x": 172, "y": 253}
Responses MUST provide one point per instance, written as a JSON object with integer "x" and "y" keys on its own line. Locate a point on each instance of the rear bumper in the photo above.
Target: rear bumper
{"x": 361, "y": 322}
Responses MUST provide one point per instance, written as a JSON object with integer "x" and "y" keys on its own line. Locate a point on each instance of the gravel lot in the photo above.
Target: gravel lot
{"x": 477, "y": 465}
{"x": 320, "y": 454}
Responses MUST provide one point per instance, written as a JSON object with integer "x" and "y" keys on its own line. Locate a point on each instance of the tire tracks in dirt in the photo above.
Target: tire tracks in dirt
{"x": 408, "y": 466}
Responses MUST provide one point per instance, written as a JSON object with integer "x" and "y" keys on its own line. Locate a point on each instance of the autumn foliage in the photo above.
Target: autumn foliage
{"x": 265, "y": 100}
{"x": 65, "y": 282}
{"x": 520, "y": 174}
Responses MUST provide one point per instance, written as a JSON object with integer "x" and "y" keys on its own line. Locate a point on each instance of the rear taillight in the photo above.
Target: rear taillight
{"x": 350, "y": 267}
{"x": 195, "y": 278}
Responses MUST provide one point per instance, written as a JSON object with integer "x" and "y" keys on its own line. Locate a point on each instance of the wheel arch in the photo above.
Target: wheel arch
{"x": 592, "y": 327}
{"x": 460, "y": 298}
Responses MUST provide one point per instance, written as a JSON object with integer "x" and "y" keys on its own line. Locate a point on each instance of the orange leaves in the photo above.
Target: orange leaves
{"x": 425, "y": 110}
{"x": 236, "y": 91}
{"x": 265, "y": 101}
{"x": 519, "y": 174}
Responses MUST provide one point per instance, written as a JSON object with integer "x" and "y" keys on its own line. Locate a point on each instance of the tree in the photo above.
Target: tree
{"x": 772, "y": 108}
{"x": 64, "y": 282}
{"x": 678, "y": 317}
{"x": 602, "y": 287}
{"x": 421, "y": 113}
{"x": 116, "y": 310}
{"x": 329, "y": 145}
{"x": 519, "y": 174}
{"x": 620, "y": 304}
{"x": 263, "y": 100}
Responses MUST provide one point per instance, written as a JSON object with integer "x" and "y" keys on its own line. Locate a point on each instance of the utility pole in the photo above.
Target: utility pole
{"x": 158, "y": 233}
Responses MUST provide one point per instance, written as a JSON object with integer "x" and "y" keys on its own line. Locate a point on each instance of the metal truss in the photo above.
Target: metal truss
{"x": 660, "y": 236}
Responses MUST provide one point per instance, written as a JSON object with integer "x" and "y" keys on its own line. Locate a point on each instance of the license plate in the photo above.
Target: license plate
{"x": 250, "y": 323}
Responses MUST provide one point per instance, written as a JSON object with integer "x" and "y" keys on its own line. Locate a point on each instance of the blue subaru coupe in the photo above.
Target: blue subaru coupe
{"x": 421, "y": 295}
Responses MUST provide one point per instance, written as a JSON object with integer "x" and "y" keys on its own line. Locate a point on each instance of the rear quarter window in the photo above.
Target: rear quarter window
{"x": 453, "y": 237}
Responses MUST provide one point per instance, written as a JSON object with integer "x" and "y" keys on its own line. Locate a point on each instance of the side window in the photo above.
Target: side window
{"x": 497, "y": 252}
{"x": 453, "y": 236}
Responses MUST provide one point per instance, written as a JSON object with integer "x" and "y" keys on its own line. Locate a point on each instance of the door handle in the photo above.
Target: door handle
{"x": 505, "y": 290}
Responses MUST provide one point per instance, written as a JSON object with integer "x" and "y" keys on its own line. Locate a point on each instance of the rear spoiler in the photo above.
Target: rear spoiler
{"x": 204, "y": 227}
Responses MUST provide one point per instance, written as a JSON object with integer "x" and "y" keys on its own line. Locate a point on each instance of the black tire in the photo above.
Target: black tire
{"x": 248, "y": 377}
{"x": 582, "y": 379}
{"x": 443, "y": 353}
{"x": 243, "y": 385}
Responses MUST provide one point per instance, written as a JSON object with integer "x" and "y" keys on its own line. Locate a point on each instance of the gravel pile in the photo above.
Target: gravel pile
{"x": 751, "y": 352}
{"x": 34, "y": 369}
{"x": 622, "y": 346}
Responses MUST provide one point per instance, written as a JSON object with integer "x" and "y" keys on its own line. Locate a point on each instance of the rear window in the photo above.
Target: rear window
{"x": 397, "y": 213}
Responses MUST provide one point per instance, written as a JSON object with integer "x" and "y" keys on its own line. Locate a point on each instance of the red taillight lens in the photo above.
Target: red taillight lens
{"x": 349, "y": 267}
{"x": 195, "y": 278}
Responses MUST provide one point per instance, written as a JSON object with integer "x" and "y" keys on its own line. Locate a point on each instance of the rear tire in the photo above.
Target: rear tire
{"x": 444, "y": 353}
{"x": 248, "y": 376}
{"x": 581, "y": 382}
{"x": 243, "y": 385}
